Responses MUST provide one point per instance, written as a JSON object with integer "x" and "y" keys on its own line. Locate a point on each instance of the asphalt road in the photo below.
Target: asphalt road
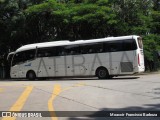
{"x": 89, "y": 95}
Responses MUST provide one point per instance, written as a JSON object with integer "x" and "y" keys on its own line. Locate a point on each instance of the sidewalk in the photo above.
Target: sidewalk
{"x": 148, "y": 73}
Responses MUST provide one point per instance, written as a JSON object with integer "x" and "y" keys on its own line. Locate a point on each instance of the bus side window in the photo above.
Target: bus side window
{"x": 115, "y": 46}
{"x": 83, "y": 49}
{"x": 106, "y": 47}
{"x": 38, "y": 55}
{"x": 129, "y": 45}
{"x": 50, "y": 52}
{"x": 97, "y": 48}
{"x": 40, "y": 52}
{"x": 44, "y": 52}
{"x": 72, "y": 50}
{"x": 60, "y": 51}
{"x": 29, "y": 54}
{"x": 90, "y": 51}
{"x": 92, "y": 48}
{"x": 18, "y": 58}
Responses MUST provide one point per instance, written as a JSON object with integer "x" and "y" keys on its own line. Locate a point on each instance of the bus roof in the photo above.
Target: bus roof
{"x": 66, "y": 42}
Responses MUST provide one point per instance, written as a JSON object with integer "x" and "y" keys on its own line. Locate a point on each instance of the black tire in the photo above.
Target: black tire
{"x": 102, "y": 73}
{"x": 31, "y": 75}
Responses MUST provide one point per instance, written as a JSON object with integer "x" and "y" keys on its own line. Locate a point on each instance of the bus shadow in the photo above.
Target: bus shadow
{"x": 72, "y": 79}
{"x": 124, "y": 78}
{"x": 105, "y": 113}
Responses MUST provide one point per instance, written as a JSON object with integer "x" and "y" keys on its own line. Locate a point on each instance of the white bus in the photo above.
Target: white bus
{"x": 104, "y": 58}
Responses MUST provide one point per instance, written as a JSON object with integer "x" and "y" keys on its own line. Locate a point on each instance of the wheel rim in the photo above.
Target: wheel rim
{"x": 31, "y": 75}
{"x": 102, "y": 73}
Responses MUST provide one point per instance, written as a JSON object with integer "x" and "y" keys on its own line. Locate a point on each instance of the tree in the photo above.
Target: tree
{"x": 31, "y": 21}
{"x": 151, "y": 47}
{"x": 133, "y": 15}
{"x": 72, "y": 20}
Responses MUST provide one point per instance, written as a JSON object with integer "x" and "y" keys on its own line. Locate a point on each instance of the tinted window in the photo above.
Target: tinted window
{"x": 18, "y": 58}
{"x": 129, "y": 45}
{"x": 106, "y": 47}
{"x": 115, "y": 46}
{"x": 120, "y": 45}
{"x": 23, "y": 56}
{"x": 91, "y": 48}
{"x": 46, "y": 52}
{"x": 84, "y": 49}
{"x": 72, "y": 49}
{"x": 60, "y": 51}
{"x": 54, "y": 51}
{"x": 97, "y": 47}
{"x": 42, "y": 52}
{"x": 29, "y": 54}
{"x": 109, "y": 46}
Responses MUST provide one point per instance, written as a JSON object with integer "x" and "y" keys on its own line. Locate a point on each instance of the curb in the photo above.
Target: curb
{"x": 149, "y": 73}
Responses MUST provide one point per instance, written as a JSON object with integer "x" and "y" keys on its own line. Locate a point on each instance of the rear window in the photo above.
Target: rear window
{"x": 140, "y": 43}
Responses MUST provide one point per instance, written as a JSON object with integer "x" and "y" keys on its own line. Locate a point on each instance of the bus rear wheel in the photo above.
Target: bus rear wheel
{"x": 102, "y": 73}
{"x": 31, "y": 75}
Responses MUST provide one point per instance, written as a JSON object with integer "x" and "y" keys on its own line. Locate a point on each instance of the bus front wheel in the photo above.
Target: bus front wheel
{"x": 102, "y": 73}
{"x": 31, "y": 75}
